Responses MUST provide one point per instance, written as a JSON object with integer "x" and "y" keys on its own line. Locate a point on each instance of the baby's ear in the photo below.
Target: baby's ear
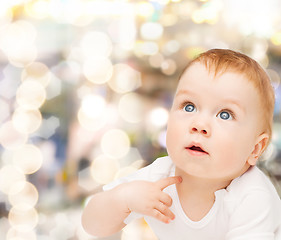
{"x": 260, "y": 146}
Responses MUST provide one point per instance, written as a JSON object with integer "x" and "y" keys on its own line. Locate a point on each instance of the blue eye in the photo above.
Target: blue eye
{"x": 224, "y": 115}
{"x": 189, "y": 107}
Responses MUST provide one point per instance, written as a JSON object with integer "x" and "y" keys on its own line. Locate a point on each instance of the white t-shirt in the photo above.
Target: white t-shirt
{"x": 248, "y": 209}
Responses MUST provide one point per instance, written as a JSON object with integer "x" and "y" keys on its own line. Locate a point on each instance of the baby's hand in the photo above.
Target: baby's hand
{"x": 149, "y": 199}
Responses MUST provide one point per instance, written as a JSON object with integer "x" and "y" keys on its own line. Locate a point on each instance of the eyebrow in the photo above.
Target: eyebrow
{"x": 183, "y": 92}
{"x": 226, "y": 100}
{"x": 234, "y": 102}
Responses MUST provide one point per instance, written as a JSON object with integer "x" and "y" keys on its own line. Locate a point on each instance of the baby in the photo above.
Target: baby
{"x": 208, "y": 187}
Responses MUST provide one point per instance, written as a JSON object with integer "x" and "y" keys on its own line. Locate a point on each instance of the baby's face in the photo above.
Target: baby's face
{"x": 214, "y": 124}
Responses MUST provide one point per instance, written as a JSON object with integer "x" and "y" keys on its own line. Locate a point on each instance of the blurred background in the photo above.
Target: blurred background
{"x": 85, "y": 90}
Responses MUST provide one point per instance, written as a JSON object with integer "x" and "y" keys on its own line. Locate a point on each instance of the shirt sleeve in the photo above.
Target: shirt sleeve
{"x": 256, "y": 217}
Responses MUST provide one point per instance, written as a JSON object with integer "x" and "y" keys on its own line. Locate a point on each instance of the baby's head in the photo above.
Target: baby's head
{"x": 219, "y": 61}
{"x": 221, "y": 118}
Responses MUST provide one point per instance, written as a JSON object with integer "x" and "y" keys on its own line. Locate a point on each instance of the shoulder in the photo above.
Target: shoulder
{"x": 253, "y": 204}
{"x": 254, "y": 180}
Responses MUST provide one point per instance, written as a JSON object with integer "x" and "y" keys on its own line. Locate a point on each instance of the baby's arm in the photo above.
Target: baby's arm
{"x": 106, "y": 211}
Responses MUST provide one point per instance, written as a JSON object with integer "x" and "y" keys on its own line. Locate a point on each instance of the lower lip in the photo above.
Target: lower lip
{"x": 196, "y": 153}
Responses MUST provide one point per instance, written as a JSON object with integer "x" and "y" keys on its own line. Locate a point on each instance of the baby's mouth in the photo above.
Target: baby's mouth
{"x": 197, "y": 149}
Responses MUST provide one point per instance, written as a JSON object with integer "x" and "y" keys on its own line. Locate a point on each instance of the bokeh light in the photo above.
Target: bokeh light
{"x": 98, "y": 70}
{"x": 22, "y": 56}
{"x": 115, "y": 143}
{"x": 93, "y": 105}
{"x": 26, "y": 121}
{"x": 10, "y": 176}
{"x": 27, "y": 194}
{"x": 168, "y": 66}
{"x": 38, "y": 9}
{"x": 28, "y": 158}
{"x": 158, "y": 117}
{"x": 131, "y": 108}
{"x": 145, "y": 9}
{"x": 10, "y": 137}
{"x": 91, "y": 123}
{"x": 14, "y": 234}
{"x": 6, "y": 16}
{"x": 38, "y": 72}
{"x": 23, "y": 217}
{"x": 124, "y": 79}
{"x": 17, "y": 40}
{"x": 17, "y": 34}
{"x": 31, "y": 95}
{"x": 104, "y": 169}
{"x": 96, "y": 44}
{"x": 151, "y": 31}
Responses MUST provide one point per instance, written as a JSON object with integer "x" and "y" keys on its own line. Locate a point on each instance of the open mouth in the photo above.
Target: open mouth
{"x": 197, "y": 150}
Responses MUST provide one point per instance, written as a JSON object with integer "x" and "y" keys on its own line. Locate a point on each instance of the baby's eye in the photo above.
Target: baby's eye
{"x": 225, "y": 115}
{"x": 189, "y": 107}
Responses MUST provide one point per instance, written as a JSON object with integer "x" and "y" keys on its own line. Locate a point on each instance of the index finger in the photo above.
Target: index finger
{"x": 165, "y": 182}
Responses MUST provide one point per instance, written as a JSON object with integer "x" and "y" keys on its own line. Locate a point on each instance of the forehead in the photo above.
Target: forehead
{"x": 198, "y": 80}
{"x": 198, "y": 73}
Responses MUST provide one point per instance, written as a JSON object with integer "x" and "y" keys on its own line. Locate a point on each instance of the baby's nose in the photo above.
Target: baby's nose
{"x": 201, "y": 128}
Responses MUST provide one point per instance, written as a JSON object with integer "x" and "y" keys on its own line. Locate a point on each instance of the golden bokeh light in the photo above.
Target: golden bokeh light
{"x": 27, "y": 194}
{"x": 169, "y": 66}
{"x": 17, "y": 41}
{"x": 115, "y": 143}
{"x": 146, "y": 48}
{"x": 21, "y": 56}
{"x": 104, "y": 168}
{"x": 124, "y": 79}
{"x": 10, "y": 137}
{"x": 31, "y": 95}
{"x": 145, "y": 9}
{"x": 10, "y": 179}
{"x": 93, "y": 105}
{"x": 28, "y": 158}
{"x": 276, "y": 38}
{"x": 14, "y": 234}
{"x": 6, "y": 16}
{"x": 38, "y": 9}
{"x": 27, "y": 121}
{"x": 37, "y": 72}
{"x": 131, "y": 108}
{"x": 171, "y": 47}
{"x": 96, "y": 44}
{"x": 91, "y": 123}
{"x": 151, "y": 31}
{"x": 17, "y": 35}
{"x": 23, "y": 218}
{"x": 98, "y": 70}
{"x": 158, "y": 117}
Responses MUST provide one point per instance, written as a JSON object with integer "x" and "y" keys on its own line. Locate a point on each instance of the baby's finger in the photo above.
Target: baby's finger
{"x": 166, "y": 199}
{"x": 165, "y": 211}
{"x": 165, "y": 182}
{"x": 160, "y": 216}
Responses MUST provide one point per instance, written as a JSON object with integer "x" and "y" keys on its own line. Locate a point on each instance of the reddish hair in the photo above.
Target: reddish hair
{"x": 219, "y": 61}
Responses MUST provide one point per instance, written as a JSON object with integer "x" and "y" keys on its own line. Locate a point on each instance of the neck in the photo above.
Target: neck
{"x": 199, "y": 187}
{"x": 197, "y": 195}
